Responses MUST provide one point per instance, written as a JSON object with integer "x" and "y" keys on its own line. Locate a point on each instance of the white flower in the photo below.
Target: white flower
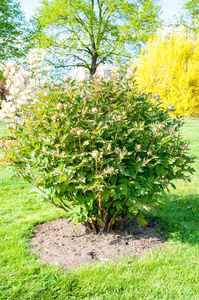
{"x": 43, "y": 82}
{"x": 138, "y": 147}
{"x": 39, "y": 64}
{"x": 94, "y": 110}
{"x": 23, "y": 85}
{"x": 19, "y": 82}
{"x": 128, "y": 75}
{"x": 47, "y": 69}
{"x": 95, "y": 154}
{"x": 33, "y": 51}
{"x": 21, "y": 122}
{"x": 109, "y": 170}
{"x": 9, "y": 65}
{"x": 27, "y": 73}
{"x": 55, "y": 117}
{"x": 59, "y": 105}
{"x": 9, "y": 98}
{"x": 66, "y": 78}
{"x": 79, "y": 132}
{"x": 12, "y": 70}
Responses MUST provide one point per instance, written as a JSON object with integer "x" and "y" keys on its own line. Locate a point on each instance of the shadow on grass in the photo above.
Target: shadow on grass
{"x": 180, "y": 216}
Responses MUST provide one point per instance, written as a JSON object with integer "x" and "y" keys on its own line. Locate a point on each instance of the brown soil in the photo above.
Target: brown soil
{"x": 59, "y": 242}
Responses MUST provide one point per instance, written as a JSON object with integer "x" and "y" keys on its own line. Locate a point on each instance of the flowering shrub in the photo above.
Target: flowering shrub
{"x": 23, "y": 85}
{"x": 99, "y": 150}
{"x": 168, "y": 66}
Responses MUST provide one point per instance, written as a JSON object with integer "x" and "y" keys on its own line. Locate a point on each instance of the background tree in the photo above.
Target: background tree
{"x": 191, "y": 21}
{"x": 168, "y": 67}
{"x": 14, "y": 30}
{"x": 90, "y": 32}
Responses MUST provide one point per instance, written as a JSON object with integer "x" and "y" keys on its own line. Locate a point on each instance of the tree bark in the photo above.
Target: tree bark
{"x": 93, "y": 67}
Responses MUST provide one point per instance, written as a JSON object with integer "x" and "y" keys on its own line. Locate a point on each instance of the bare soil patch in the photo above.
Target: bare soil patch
{"x": 68, "y": 246}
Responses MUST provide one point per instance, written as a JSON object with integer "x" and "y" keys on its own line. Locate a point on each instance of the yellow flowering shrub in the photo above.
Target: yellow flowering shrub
{"x": 169, "y": 67}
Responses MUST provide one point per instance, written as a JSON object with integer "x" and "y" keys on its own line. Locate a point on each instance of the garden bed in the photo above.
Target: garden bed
{"x": 68, "y": 246}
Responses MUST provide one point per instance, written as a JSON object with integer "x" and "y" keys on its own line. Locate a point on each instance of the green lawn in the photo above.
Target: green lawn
{"x": 169, "y": 273}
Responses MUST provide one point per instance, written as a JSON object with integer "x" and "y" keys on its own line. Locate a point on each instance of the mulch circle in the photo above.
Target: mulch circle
{"x": 59, "y": 242}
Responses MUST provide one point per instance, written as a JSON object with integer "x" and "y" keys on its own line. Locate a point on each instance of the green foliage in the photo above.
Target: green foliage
{"x": 14, "y": 31}
{"x": 1, "y": 76}
{"x": 167, "y": 273}
{"x": 87, "y": 33}
{"x": 191, "y": 17}
{"x": 98, "y": 149}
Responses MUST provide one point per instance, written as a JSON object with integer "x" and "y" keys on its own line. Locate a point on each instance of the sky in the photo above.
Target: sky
{"x": 170, "y": 7}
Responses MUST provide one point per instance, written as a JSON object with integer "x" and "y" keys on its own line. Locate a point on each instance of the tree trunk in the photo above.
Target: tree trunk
{"x": 93, "y": 68}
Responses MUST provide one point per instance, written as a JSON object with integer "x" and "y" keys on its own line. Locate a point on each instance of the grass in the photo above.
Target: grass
{"x": 168, "y": 273}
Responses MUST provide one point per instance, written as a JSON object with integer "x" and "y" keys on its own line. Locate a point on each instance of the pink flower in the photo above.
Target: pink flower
{"x": 172, "y": 128}
{"x": 128, "y": 75}
{"x": 119, "y": 118}
{"x": 150, "y": 152}
{"x": 66, "y": 78}
{"x": 157, "y": 96}
{"x": 67, "y": 87}
{"x": 60, "y": 105}
{"x": 108, "y": 170}
{"x": 55, "y": 117}
{"x": 185, "y": 146}
{"x": 95, "y": 153}
{"x": 160, "y": 126}
{"x": 86, "y": 98}
{"x": 79, "y": 132}
{"x": 21, "y": 122}
{"x": 138, "y": 147}
{"x": 117, "y": 150}
{"x": 72, "y": 131}
{"x": 155, "y": 129}
{"x": 2, "y": 141}
{"x": 170, "y": 107}
{"x": 94, "y": 110}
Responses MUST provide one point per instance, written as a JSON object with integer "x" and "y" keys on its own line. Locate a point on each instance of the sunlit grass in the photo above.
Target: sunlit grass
{"x": 168, "y": 273}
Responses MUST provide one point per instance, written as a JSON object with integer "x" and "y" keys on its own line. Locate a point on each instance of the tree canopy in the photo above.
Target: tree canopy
{"x": 89, "y": 32}
{"x": 13, "y": 30}
{"x": 191, "y": 8}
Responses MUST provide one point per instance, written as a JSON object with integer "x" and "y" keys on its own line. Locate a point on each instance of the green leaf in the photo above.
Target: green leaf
{"x": 117, "y": 204}
{"x": 173, "y": 185}
{"x": 141, "y": 220}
